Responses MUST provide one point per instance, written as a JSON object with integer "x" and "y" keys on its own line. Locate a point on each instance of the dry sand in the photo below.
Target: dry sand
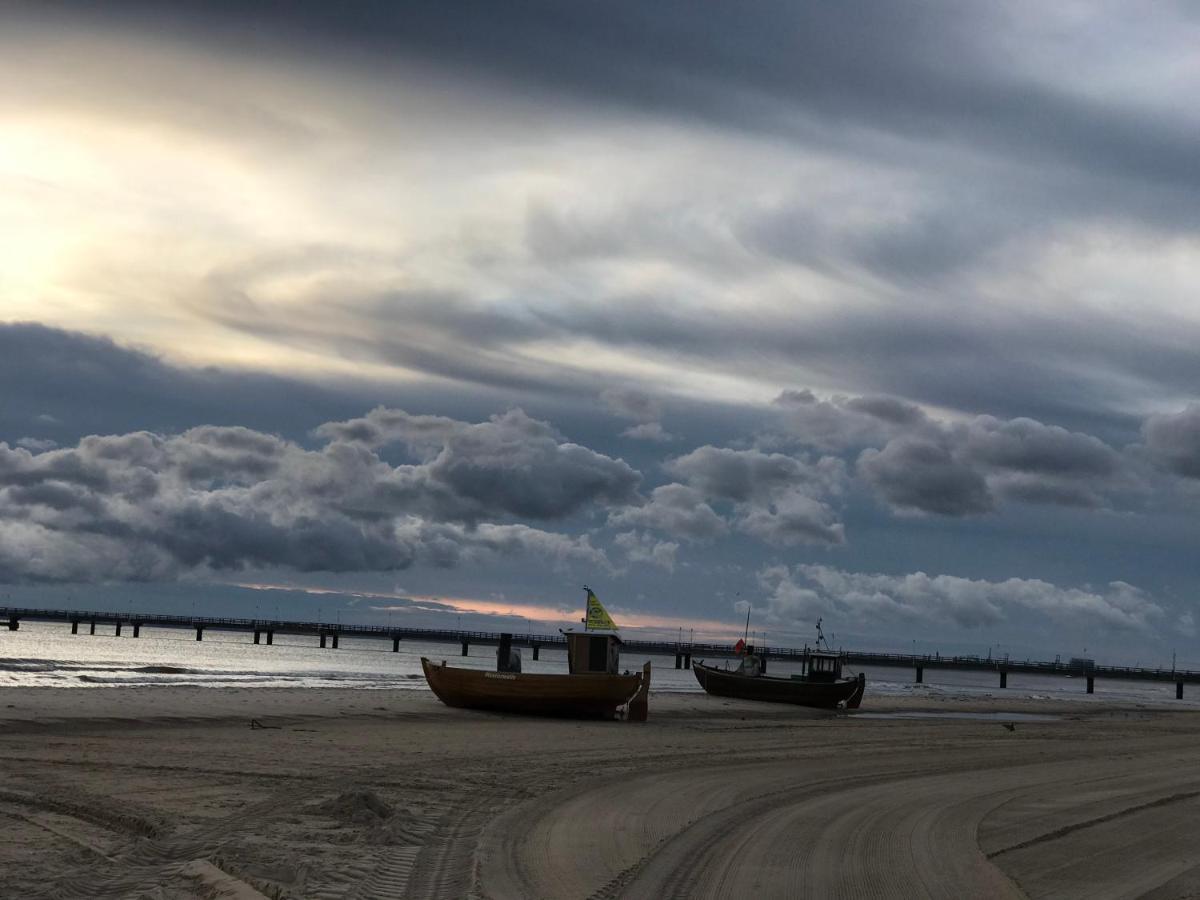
{"x": 168, "y": 793}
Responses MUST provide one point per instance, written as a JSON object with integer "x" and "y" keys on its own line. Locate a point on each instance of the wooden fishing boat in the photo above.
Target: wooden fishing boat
{"x": 819, "y": 682}
{"x": 593, "y": 688}
{"x": 801, "y": 690}
{"x": 582, "y": 695}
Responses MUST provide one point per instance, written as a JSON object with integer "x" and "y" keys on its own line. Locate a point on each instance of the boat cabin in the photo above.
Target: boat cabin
{"x": 823, "y": 666}
{"x": 593, "y": 652}
{"x": 508, "y": 657}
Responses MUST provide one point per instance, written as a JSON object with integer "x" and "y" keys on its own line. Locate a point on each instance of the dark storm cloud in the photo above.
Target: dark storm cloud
{"x": 932, "y": 69}
{"x": 1024, "y": 445}
{"x": 744, "y": 476}
{"x": 956, "y": 104}
{"x": 917, "y": 474}
{"x": 918, "y": 463}
{"x": 509, "y": 465}
{"x": 62, "y": 384}
{"x": 1173, "y": 441}
{"x": 947, "y": 353}
{"x": 146, "y": 506}
{"x": 846, "y": 422}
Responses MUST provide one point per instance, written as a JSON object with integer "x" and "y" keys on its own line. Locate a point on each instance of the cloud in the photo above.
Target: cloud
{"x": 985, "y": 80}
{"x": 510, "y": 465}
{"x": 955, "y": 468}
{"x": 791, "y": 518}
{"x": 844, "y": 422}
{"x": 920, "y": 475}
{"x": 1028, "y": 461}
{"x": 776, "y": 498}
{"x": 1173, "y": 440}
{"x": 648, "y": 431}
{"x": 632, "y": 404}
{"x": 145, "y": 506}
{"x": 642, "y": 408}
{"x": 36, "y": 444}
{"x": 1186, "y": 624}
{"x": 811, "y": 591}
{"x": 770, "y": 496}
{"x": 644, "y": 548}
{"x": 964, "y": 469}
{"x": 676, "y": 509}
{"x": 744, "y": 476}
{"x": 898, "y": 208}
{"x": 73, "y": 384}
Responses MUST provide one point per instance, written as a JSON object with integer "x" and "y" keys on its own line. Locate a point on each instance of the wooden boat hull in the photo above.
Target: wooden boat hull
{"x": 574, "y": 696}
{"x": 845, "y": 692}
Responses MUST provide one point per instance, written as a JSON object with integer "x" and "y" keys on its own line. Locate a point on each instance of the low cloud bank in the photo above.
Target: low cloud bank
{"x": 145, "y": 506}
{"x": 806, "y": 592}
{"x": 918, "y": 464}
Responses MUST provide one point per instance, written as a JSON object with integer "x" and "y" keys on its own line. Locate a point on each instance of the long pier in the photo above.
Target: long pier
{"x": 329, "y": 633}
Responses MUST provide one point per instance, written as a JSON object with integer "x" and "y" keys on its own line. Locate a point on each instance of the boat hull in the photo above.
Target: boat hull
{"x": 845, "y": 692}
{"x": 574, "y": 696}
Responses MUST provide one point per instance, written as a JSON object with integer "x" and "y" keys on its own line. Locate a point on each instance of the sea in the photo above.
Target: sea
{"x": 45, "y": 654}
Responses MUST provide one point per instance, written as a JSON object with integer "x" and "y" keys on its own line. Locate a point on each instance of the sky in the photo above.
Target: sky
{"x": 881, "y": 314}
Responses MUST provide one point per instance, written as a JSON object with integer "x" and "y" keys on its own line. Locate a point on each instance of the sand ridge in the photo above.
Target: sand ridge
{"x": 168, "y": 793}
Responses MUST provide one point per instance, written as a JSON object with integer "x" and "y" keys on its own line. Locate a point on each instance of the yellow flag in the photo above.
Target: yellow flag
{"x": 597, "y": 615}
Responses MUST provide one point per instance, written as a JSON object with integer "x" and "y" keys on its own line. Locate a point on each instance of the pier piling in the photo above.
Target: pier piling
{"x": 1003, "y": 678}
{"x": 678, "y": 660}
{"x": 137, "y": 629}
{"x": 199, "y": 632}
{"x": 1091, "y": 684}
{"x": 687, "y": 660}
{"x": 118, "y": 632}
{"x": 270, "y": 637}
{"x": 257, "y": 636}
{"x": 335, "y": 639}
{"x": 395, "y": 643}
{"x": 920, "y": 675}
{"x": 1179, "y": 690}
{"x": 74, "y": 626}
{"x": 322, "y": 640}
{"x": 536, "y": 648}
{"x": 466, "y": 648}
{"x": 93, "y": 631}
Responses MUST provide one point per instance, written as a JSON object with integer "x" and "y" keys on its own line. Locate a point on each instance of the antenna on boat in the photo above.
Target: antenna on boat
{"x": 821, "y": 636}
{"x": 747, "y": 632}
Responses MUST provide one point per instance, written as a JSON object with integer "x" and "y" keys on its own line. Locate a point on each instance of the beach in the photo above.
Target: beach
{"x": 169, "y": 792}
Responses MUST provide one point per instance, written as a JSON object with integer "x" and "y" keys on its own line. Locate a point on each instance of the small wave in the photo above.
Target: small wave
{"x": 34, "y": 664}
{"x": 149, "y": 679}
{"x": 28, "y": 665}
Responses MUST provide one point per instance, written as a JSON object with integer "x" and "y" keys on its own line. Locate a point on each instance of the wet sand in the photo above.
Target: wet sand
{"x": 169, "y": 793}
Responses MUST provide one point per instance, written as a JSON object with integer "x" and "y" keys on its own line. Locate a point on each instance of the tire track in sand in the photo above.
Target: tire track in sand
{"x": 445, "y": 865}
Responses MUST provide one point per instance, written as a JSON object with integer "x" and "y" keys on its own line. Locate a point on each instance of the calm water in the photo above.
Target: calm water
{"x": 47, "y": 654}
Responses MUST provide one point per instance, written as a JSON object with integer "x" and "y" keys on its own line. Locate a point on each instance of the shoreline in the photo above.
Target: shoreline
{"x": 44, "y": 707}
